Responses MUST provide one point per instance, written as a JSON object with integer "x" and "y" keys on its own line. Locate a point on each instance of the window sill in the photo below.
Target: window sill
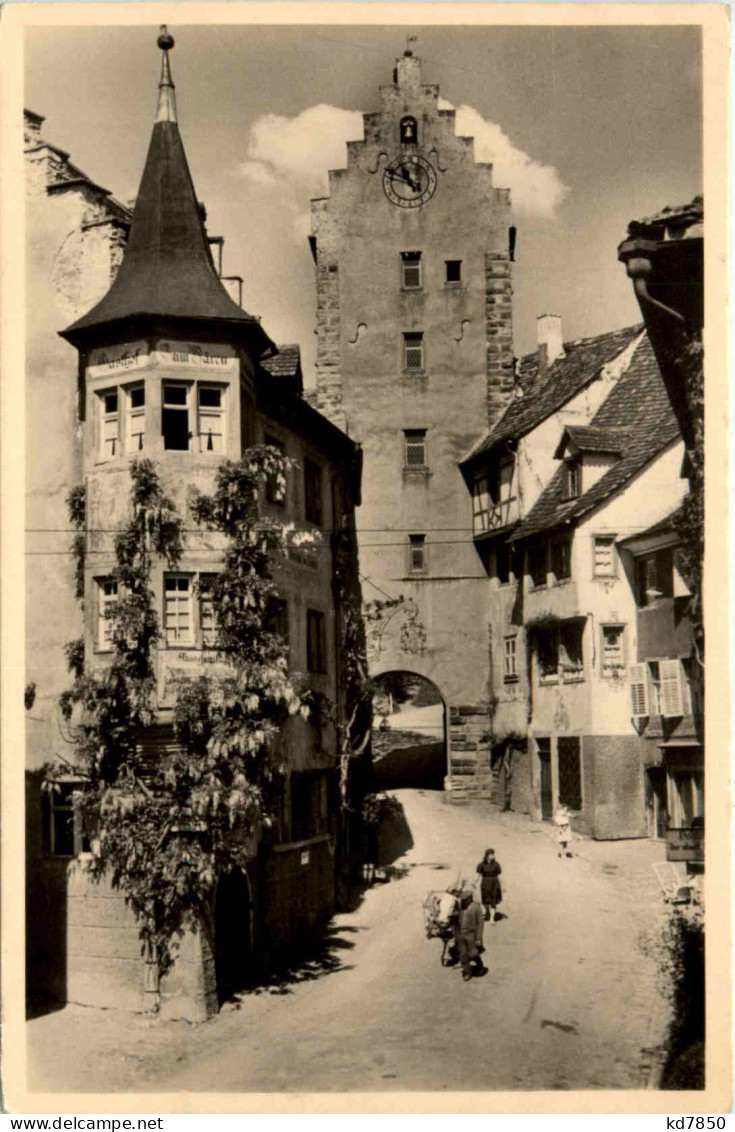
{"x": 412, "y": 290}
{"x": 574, "y": 678}
{"x": 537, "y": 589}
{"x": 414, "y": 372}
{"x": 562, "y": 582}
{"x": 544, "y": 681}
{"x": 421, "y": 470}
{"x": 510, "y": 679}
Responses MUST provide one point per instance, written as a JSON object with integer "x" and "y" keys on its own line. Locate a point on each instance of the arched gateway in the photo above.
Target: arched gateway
{"x": 409, "y": 731}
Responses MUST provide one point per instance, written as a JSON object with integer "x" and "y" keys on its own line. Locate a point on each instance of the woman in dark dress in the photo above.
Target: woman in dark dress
{"x": 491, "y": 892}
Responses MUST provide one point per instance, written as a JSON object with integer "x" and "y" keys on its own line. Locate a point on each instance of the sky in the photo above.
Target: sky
{"x": 590, "y": 127}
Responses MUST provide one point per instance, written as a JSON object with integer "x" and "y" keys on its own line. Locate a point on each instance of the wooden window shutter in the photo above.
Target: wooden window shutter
{"x": 671, "y": 698}
{"x": 638, "y": 676}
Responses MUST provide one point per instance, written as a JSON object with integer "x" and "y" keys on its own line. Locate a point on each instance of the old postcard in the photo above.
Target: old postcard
{"x": 357, "y": 599}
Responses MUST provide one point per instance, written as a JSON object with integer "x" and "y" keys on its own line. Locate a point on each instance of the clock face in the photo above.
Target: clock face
{"x": 409, "y": 181}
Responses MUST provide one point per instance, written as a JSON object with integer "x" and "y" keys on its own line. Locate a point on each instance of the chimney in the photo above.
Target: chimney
{"x": 550, "y": 341}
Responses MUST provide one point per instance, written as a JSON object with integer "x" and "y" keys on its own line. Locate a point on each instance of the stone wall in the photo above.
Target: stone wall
{"x": 499, "y": 332}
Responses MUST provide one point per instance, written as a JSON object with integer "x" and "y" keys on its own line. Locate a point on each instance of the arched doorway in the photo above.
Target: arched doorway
{"x": 409, "y": 732}
{"x": 232, "y": 933}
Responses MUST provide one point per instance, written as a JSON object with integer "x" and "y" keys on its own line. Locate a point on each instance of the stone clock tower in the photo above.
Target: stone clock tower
{"x": 415, "y": 361}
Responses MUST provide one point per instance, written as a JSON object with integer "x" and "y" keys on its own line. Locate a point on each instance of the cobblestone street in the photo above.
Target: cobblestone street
{"x": 570, "y": 1001}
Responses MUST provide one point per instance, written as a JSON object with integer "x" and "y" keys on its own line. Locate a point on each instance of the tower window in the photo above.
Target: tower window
{"x": 312, "y": 491}
{"x": 207, "y": 612}
{"x": 415, "y": 448}
{"x": 409, "y": 131}
{"x": 107, "y": 594}
{"x": 413, "y": 351}
{"x": 177, "y": 609}
{"x": 604, "y": 556}
{"x": 510, "y": 672}
{"x": 211, "y": 425}
{"x": 417, "y": 554}
{"x": 109, "y": 424}
{"x": 274, "y": 492}
{"x": 454, "y": 270}
{"x": 411, "y": 271}
{"x": 315, "y": 641}
{"x": 136, "y": 418}
{"x": 175, "y": 417}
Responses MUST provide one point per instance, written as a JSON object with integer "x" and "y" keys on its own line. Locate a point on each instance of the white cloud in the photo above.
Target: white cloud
{"x": 535, "y": 189}
{"x": 301, "y": 150}
{"x": 293, "y": 155}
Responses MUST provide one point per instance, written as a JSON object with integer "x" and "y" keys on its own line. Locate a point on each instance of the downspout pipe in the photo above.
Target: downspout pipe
{"x": 636, "y": 255}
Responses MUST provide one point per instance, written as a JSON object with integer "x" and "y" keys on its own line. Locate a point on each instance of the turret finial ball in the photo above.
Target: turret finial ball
{"x": 165, "y": 41}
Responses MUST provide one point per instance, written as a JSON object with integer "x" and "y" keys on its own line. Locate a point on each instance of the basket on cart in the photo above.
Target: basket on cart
{"x": 440, "y": 909}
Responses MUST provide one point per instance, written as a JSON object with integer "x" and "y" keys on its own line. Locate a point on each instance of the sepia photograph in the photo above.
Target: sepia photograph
{"x": 361, "y": 356}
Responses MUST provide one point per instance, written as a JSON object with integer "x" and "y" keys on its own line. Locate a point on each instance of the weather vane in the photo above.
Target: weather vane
{"x": 409, "y": 40}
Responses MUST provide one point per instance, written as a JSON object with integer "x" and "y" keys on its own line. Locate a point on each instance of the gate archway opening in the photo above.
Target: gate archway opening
{"x": 409, "y": 732}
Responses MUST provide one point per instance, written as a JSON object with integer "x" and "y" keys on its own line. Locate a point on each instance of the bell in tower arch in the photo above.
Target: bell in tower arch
{"x": 409, "y": 131}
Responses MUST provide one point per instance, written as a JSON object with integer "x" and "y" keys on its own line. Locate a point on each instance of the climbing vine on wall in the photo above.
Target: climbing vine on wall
{"x": 164, "y": 828}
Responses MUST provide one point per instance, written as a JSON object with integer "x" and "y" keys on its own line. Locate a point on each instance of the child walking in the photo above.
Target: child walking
{"x": 563, "y": 831}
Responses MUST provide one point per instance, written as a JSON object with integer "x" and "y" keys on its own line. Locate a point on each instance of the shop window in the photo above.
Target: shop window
{"x": 561, "y": 560}
{"x": 109, "y": 424}
{"x": 417, "y": 554}
{"x": 211, "y": 418}
{"x": 604, "y": 556}
{"x": 453, "y": 270}
{"x": 510, "y": 673}
{"x": 686, "y": 797}
{"x": 415, "y": 448}
{"x": 537, "y": 566}
{"x": 135, "y": 395}
{"x": 177, "y": 610}
{"x": 175, "y": 417}
{"x": 613, "y": 649}
{"x": 312, "y": 491}
{"x": 570, "y": 771}
{"x": 411, "y": 271}
{"x": 107, "y": 595}
{"x": 413, "y": 351}
{"x": 274, "y": 492}
{"x": 316, "y": 653}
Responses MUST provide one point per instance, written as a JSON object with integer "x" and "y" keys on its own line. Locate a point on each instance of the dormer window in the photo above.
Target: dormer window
{"x": 573, "y": 478}
{"x": 409, "y": 131}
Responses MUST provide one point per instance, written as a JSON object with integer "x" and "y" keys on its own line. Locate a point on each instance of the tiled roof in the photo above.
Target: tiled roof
{"x": 679, "y": 217}
{"x": 638, "y": 403}
{"x": 662, "y": 527}
{"x": 286, "y": 363}
{"x": 592, "y": 438}
{"x": 546, "y": 392}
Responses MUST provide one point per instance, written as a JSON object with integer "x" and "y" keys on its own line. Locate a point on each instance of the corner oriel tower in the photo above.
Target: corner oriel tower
{"x": 415, "y": 361}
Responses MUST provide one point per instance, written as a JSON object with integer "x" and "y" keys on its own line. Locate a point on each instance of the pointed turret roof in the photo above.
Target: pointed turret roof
{"x": 167, "y": 274}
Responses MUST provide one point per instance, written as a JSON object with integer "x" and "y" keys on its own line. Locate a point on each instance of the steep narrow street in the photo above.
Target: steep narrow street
{"x": 569, "y": 1000}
